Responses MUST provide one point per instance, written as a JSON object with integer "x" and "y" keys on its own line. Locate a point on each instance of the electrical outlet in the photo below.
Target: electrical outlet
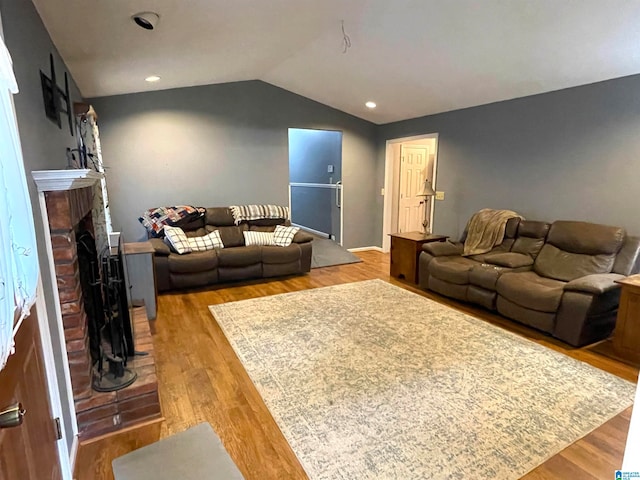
{"x": 439, "y": 195}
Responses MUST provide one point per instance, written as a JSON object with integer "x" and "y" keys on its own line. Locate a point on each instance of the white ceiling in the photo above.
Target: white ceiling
{"x": 412, "y": 57}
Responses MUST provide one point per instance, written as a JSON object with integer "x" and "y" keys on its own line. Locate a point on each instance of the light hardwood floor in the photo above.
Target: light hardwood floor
{"x": 201, "y": 380}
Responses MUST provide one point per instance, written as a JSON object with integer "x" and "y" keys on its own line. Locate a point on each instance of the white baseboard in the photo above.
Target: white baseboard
{"x": 311, "y": 230}
{"x": 363, "y": 249}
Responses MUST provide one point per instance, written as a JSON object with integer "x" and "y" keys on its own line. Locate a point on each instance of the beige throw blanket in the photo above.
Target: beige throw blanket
{"x": 485, "y": 230}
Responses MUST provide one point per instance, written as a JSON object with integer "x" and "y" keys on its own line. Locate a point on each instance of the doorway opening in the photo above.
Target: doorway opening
{"x": 315, "y": 181}
{"x": 409, "y": 161}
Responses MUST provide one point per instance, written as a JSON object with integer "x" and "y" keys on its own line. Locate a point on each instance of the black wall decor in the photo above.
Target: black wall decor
{"x": 56, "y": 100}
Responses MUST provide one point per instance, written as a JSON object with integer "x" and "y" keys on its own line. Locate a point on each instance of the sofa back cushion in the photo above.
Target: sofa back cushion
{"x": 530, "y": 238}
{"x": 575, "y": 249}
{"x": 231, "y": 235}
{"x": 510, "y": 231}
{"x": 219, "y": 216}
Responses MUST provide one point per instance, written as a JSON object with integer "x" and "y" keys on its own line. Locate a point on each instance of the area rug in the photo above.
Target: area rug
{"x": 326, "y": 253}
{"x": 370, "y": 381}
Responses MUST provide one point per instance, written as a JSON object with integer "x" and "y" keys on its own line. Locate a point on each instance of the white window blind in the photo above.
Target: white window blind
{"x": 18, "y": 255}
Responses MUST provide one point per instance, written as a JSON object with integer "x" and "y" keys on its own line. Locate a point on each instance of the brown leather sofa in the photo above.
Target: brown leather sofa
{"x": 566, "y": 287}
{"x": 234, "y": 262}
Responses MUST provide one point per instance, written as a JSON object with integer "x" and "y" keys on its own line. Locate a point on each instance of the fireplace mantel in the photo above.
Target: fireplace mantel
{"x": 62, "y": 180}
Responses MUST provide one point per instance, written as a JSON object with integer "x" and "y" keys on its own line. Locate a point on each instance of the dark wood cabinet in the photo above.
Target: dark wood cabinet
{"x": 405, "y": 250}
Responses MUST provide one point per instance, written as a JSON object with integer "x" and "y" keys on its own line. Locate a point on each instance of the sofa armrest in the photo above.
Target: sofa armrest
{"x": 159, "y": 246}
{"x": 443, "y": 249}
{"x": 509, "y": 259}
{"x": 302, "y": 237}
{"x": 596, "y": 284}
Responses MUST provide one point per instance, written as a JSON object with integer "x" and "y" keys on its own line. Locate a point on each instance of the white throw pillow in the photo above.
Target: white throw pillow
{"x": 177, "y": 239}
{"x": 252, "y": 237}
{"x": 206, "y": 242}
{"x": 283, "y": 236}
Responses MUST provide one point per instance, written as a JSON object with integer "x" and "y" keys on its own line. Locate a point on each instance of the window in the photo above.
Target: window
{"x": 18, "y": 255}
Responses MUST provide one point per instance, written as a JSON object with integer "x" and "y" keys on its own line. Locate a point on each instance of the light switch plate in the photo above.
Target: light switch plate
{"x": 439, "y": 195}
{"x": 329, "y": 168}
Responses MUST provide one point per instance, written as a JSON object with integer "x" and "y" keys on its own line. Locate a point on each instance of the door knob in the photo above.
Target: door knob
{"x": 12, "y": 416}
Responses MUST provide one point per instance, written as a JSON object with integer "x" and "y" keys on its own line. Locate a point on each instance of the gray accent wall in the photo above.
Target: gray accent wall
{"x": 569, "y": 154}
{"x": 43, "y": 143}
{"x": 221, "y": 145}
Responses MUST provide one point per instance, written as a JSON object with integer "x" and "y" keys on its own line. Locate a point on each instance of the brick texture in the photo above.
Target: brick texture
{"x": 97, "y": 412}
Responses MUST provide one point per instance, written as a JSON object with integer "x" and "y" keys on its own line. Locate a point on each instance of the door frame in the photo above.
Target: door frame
{"x": 391, "y": 188}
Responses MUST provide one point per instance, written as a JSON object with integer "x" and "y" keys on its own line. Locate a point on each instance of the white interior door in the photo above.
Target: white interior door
{"x": 413, "y": 164}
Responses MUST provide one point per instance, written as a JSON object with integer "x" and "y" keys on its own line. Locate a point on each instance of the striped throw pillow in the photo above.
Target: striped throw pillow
{"x": 252, "y": 237}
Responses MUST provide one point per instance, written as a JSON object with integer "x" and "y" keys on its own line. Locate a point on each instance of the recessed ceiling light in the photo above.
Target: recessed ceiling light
{"x": 146, "y": 20}
{"x": 152, "y": 78}
{"x": 370, "y": 104}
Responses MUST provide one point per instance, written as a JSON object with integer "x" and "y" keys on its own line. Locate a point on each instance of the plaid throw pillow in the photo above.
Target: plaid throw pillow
{"x": 177, "y": 239}
{"x": 206, "y": 242}
{"x": 283, "y": 236}
{"x": 252, "y": 237}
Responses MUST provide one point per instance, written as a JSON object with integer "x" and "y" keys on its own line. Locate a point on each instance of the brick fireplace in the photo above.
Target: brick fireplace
{"x": 66, "y": 200}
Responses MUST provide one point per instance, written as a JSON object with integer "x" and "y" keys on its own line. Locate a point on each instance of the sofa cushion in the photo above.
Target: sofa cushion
{"x": 231, "y": 236}
{"x": 198, "y": 232}
{"x": 219, "y": 216}
{"x": 530, "y": 290}
{"x": 177, "y": 239}
{"x": 240, "y": 256}
{"x": 486, "y": 276}
{"x": 544, "y": 321}
{"x": 452, "y": 269}
{"x": 585, "y": 238}
{"x": 268, "y": 222}
{"x": 509, "y": 259}
{"x": 531, "y": 237}
{"x": 566, "y": 266}
{"x": 302, "y": 237}
{"x": 276, "y": 255}
{"x": 193, "y": 262}
{"x": 261, "y": 228}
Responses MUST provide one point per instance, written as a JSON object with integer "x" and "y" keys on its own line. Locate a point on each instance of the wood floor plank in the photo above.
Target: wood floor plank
{"x": 201, "y": 379}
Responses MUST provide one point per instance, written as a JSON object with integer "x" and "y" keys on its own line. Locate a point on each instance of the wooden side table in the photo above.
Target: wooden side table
{"x": 626, "y": 337}
{"x": 405, "y": 250}
{"x": 142, "y": 275}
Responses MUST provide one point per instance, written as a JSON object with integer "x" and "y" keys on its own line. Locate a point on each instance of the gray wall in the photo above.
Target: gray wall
{"x": 570, "y": 154}
{"x": 43, "y": 143}
{"x": 220, "y": 145}
{"x": 310, "y": 153}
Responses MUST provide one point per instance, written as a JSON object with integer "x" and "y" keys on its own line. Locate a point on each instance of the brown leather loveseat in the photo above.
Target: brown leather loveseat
{"x": 236, "y": 261}
{"x": 565, "y": 288}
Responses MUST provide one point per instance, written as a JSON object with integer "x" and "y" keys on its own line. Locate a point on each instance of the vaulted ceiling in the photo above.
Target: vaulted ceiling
{"x": 411, "y": 57}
